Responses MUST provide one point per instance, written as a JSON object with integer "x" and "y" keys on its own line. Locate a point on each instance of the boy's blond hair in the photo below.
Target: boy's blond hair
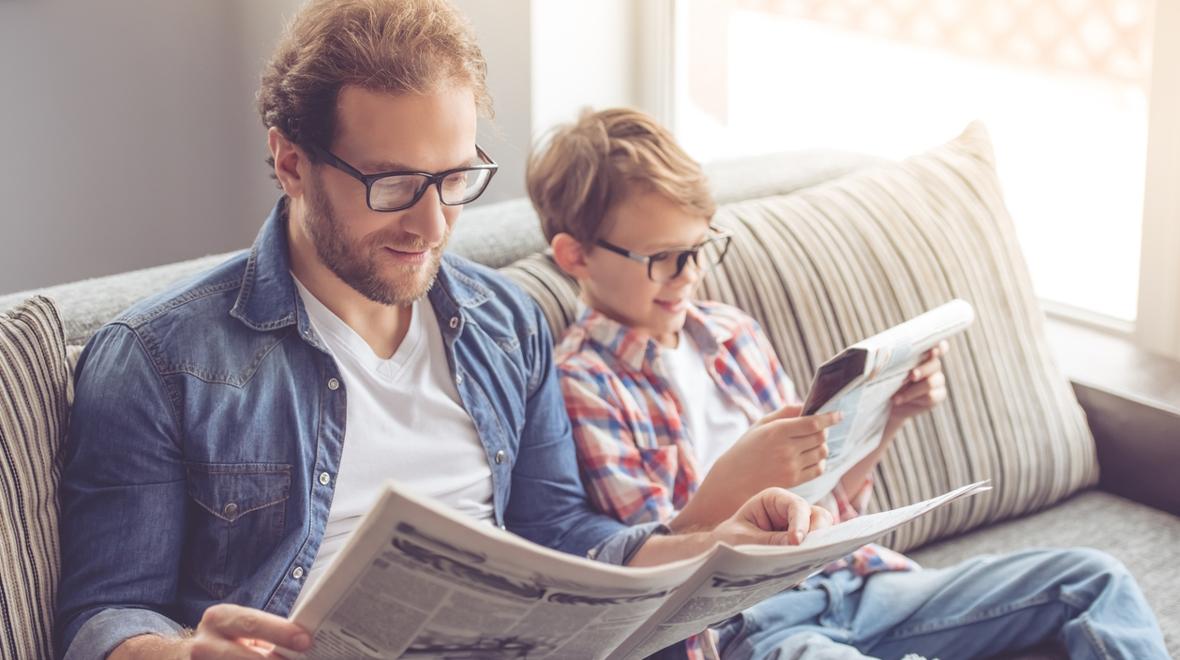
{"x": 580, "y": 170}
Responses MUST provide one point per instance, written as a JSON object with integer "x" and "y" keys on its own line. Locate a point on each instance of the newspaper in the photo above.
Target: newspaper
{"x": 860, "y": 381}
{"x": 418, "y": 580}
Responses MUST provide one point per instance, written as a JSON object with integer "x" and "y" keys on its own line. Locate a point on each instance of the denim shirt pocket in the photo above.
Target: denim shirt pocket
{"x": 237, "y": 514}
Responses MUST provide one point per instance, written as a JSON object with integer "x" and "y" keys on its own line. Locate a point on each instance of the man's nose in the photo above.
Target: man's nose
{"x": 426, "y": 219}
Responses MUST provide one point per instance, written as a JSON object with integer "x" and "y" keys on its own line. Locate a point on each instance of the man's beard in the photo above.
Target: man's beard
{"x": 356, "y": 263}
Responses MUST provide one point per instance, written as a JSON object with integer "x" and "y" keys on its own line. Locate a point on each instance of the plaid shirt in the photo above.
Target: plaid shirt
{"x": 637, "y": 460}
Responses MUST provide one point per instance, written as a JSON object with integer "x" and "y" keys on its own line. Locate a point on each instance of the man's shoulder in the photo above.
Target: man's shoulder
{"x": 206, "y": 297}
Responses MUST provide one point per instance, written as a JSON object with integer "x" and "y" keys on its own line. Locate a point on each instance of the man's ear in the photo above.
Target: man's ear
{"x": 288, "y": 159}
{"x": 570, "y": 256}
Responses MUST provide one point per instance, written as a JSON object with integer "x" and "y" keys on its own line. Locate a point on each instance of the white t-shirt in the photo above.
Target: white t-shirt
{"x": 404, "y": 421}
{"x": 712, "y": 420}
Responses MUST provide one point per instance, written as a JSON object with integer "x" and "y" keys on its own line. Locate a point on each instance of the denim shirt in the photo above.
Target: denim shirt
{"x": 207, "y": 430}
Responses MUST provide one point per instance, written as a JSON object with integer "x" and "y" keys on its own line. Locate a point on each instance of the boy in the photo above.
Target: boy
{"x": 681, "y": 411}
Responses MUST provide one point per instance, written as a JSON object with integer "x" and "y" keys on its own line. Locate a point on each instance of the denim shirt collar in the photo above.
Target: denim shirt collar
{"x": 268, "y": 299}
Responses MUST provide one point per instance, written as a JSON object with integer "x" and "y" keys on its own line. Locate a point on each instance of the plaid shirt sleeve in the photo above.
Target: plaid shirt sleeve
{"x": 622, "y": 480}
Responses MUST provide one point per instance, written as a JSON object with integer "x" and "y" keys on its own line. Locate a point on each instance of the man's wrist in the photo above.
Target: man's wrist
{"x": 154, "y": 646}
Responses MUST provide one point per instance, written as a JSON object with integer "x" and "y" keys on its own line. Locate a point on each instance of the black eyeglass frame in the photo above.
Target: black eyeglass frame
{"x": 429, "y": 179}
{"x": 682, "y": 256}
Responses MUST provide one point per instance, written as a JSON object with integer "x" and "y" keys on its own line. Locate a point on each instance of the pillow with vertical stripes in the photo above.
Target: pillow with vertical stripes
{"x": 35, "y": 386}
{"x": 829, "y": 265}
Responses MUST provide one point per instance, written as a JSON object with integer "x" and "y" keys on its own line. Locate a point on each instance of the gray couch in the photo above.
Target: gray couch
{"x": 1132, "y": 514}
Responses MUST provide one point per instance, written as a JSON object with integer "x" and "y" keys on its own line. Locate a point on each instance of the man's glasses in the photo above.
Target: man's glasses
{"x": 396, "y": 191}
{"x": 666, "y": 266}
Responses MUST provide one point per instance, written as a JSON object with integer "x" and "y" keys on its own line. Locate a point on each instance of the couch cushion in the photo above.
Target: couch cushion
{"x": 1146, "y": 540}
{"x": 832, "y": 264}
{"x": 35, "y": 385}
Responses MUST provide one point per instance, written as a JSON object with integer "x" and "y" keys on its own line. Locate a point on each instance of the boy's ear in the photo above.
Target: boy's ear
{"x": 569, "y": 255}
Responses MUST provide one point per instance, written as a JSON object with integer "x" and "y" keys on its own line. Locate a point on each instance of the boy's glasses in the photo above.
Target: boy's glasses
{"x": 666, "y": 266}
{"x": 396, "y": 191}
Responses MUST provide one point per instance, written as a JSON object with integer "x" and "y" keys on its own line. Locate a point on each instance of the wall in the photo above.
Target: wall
{"x": 129, "y": 133}
{"x": 130, "y": 137}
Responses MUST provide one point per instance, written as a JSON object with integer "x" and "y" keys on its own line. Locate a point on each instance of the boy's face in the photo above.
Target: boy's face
{"x": 644, "y": 223}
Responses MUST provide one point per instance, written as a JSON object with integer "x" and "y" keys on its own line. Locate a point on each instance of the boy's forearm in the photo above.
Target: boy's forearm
{"x": 855, "y": 477}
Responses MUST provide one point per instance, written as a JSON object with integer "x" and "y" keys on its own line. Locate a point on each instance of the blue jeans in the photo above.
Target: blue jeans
{"x": 983, "y": 606}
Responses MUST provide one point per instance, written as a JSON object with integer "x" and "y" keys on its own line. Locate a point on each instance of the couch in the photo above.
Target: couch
{"x": 829, "y": 247}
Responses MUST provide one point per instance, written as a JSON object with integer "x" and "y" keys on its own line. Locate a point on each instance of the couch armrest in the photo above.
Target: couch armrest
{"x": 1131, "y": 399}
{"x": 1138, "y": 446}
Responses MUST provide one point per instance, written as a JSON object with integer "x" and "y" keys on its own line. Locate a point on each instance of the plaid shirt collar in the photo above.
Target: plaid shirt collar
{"x": 635, "y": 348}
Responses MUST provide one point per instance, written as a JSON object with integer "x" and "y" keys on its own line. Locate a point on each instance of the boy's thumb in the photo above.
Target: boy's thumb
{"x": 789, "y": 411}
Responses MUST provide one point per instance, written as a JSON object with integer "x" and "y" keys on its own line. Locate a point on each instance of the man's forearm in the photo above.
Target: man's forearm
{"x": 151, "y": 646}
{"x": 660, "y": 549}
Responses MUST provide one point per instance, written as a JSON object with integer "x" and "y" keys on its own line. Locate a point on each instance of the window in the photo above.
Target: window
{"x": 1062, "y": 85}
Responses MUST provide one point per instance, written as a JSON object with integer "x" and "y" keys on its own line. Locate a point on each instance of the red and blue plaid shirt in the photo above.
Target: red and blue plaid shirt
{"x": 637, "y": 461}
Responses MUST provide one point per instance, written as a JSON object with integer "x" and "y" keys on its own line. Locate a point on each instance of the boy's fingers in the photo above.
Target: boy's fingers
{"x": 789, "y": 411}
{"x": 804, "y": 426}
{"x": 919, "y": 390}
{"x": 925, "y": 370}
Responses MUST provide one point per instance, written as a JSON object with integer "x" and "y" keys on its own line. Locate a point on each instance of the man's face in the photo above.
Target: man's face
{"x": 390, "y": 258}
{"x": 645, "y": 223}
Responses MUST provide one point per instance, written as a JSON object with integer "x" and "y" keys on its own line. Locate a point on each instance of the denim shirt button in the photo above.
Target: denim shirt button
{"x": 500, "y": 456}
{"x": 458, "y": 379}
{"x": 503, "y": 527}
{"x": 230, "y": 511}
{"x": 297, "y": 573}
{"x": 333, "y": 384}
{"x": 454, "y": 322}
{"x": 325, "y": 478}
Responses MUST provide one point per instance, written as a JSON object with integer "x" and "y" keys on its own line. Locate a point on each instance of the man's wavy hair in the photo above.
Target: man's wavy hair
{"x": 580, "y": 170}
{"x": 394, "y": 46}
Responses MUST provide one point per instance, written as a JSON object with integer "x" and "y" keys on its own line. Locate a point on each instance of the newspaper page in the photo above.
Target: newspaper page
{"x": 418, "y": 580}
{"x": 861, "y": 380}
{"x": 735, "y": 578}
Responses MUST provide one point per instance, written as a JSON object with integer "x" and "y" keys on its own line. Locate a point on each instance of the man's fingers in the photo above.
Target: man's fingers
{"x": 236, "y": 622}
{"x": 821, "y": 518}
{"x": 788, "y": 512}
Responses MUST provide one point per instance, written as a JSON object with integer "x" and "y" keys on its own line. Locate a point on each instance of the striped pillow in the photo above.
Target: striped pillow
{"x": 832, "y": 264}
{"x": 35, "y": 386}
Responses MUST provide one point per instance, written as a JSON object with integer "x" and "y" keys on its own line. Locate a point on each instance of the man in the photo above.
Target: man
{"x": 228, "y": 434}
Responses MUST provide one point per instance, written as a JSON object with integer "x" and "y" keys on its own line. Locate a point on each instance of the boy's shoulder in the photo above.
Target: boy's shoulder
{"x": 725, "y": 322}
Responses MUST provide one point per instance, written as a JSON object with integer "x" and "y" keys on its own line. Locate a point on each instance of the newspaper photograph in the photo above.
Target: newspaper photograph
{"x": 861, "y": 380}
{"x": 418, "y": 580}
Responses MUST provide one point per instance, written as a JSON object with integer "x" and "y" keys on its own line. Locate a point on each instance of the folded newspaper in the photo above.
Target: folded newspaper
{"x": 860, "y": 382}
{"x": 419, "y": 580}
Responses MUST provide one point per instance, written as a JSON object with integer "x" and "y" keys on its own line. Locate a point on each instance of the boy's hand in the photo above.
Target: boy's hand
{"x": 781, "y": 450}
{"x": 923, "y": 389}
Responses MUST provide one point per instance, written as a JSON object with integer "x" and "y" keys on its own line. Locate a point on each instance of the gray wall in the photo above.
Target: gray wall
{"x": 129, "y": 135}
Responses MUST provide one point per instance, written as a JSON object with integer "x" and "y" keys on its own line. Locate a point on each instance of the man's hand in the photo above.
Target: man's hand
{"x": 225, "y": 631}
{"x": 774, "y": 516}
{"x": 923, "y": 389}
{"x": 780, "y": 450}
